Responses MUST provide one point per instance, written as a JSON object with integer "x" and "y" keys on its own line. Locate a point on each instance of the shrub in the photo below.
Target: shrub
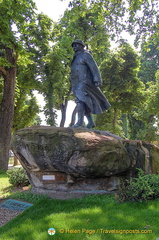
{"x": 144, "y": 187}
{"x": 18, "y": 177}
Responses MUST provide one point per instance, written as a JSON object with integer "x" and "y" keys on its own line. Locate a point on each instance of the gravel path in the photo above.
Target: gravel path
{"x": 7, "y": 215}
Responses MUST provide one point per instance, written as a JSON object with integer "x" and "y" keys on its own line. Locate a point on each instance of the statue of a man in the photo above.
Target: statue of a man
{"x": 85, "y": 80}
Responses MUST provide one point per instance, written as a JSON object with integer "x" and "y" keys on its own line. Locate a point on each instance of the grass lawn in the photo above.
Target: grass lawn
{"x": 92, "y": 217}
{"x": 5, "y": 186}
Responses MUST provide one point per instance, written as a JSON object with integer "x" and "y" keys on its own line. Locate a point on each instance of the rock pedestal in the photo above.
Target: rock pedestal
{"x": 79, "y": 159}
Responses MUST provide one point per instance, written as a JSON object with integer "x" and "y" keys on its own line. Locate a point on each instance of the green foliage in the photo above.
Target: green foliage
{"x": 25, "y": 111}
{"x": 28, "y": 196}
{"x": 136, "y": 17}
{"x": 18, "y": 177}
{"x": 148, "y": 133}
{"x": 149, "y": 59}
{"x": 105, "y": 120}
{"x": 86, "y": 21}
{"x": 14, "y": 18}
{"x": 142, "y": 188}
{"x": 144, "y": 121}
{"x": 135, "y": 125}
{"x": 56, "y": 84}
{"x": 119, "y": 73}
{"x": 121, "y": 85}
{"x": 153, "y": 98}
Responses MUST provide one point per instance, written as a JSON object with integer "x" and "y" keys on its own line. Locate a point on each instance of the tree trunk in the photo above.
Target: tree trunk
{"x": 63, "y": 113}
{"x": 7, "y": 109}
{"x": 16, "y": 162}
{"x": 115, "y": 118}
{"x": 73, "y": 116}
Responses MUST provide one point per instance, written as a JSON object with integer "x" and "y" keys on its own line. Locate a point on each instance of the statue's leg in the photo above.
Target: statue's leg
{"x": 80, "y": 112}
{"x": 91, "y": 123}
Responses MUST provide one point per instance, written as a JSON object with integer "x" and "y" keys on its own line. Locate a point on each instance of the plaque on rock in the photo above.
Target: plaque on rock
{"x": 54, "y": 177}
{"x": 48, "y": 177}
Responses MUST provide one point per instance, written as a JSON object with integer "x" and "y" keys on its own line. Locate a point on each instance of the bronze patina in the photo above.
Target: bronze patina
{"x": 85, "y": 80}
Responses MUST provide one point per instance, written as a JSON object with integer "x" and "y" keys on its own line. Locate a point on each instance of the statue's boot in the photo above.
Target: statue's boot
{"x": 80, "y": 111}
{"x": 91, "y": 123}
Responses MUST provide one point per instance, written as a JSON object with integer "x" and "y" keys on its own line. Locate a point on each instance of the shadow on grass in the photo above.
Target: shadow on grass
{"x": 93, "y": 213}
{"x": 7, "y": 189}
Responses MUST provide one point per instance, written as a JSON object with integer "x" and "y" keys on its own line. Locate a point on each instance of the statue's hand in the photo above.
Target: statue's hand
{"x": 97, "y": 84}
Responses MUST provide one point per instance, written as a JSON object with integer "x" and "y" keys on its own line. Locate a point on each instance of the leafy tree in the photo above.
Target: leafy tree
{"x": 144, "y": 120}
{"x": 41, "y": 36}
{"x": 14, "y": 18}
{"x": 56, "y": 84}
{"x": 86, "y": 22}
{"x": 109, "y": 10}
{"x": 25, "y": 110}
{"x": 148, "y": 115}
{"x": 50, "y": 68}
{"x": 149, "y": 60}
{"x": 121, "y": 84}
{"x": 139, "y": 18}
{"x": 143, "y": 18}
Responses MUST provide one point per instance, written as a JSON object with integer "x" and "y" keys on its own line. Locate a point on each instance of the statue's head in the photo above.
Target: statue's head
{"x": 79, "y": 42}
{"x": 78, "y": 45}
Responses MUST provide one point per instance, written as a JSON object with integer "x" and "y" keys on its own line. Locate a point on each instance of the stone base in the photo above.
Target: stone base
{"x": 58, "y": 181}
{"x": 79, "y": 161}
{"x": 68, "y": 194}
{"x": 63, "y": 186}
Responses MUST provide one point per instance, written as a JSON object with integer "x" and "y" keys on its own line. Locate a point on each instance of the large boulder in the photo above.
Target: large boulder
{"x": 76, "y": 158}
{"x": 76, "y": 151}
{"x": 142, "y": 155}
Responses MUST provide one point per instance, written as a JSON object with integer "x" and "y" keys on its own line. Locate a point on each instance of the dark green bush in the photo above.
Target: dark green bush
{"x": 18, "y": 177}
{"x": 144, "y": 187}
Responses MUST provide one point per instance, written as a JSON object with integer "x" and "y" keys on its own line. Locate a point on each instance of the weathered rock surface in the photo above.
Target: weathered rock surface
{"x": 79, "y": 158}
{"x": 78, "y": 152}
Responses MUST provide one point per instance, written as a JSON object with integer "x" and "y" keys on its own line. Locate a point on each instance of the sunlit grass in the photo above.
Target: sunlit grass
{"x": 93, "y": 213}
{"x": 5, "y": 186}
{"x": 83, "y": 219}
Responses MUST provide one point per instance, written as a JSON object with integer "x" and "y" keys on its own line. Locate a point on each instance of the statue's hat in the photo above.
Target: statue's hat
{"x": 78, "y": 41}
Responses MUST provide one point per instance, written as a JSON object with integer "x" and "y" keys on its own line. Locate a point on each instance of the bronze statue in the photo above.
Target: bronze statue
{"x": 85, "y": 80}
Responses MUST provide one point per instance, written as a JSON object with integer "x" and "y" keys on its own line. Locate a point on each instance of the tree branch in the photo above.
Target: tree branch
{"x": 3, "y": 71}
